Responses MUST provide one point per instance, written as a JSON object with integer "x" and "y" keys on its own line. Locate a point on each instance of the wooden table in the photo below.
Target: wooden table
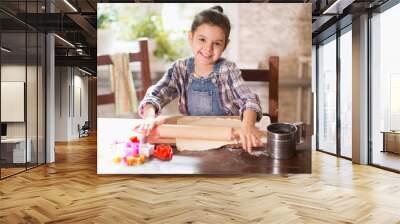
{"x": 226, "y": 161}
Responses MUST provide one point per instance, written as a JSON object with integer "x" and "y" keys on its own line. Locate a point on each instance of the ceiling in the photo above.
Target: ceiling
{"x": 74, "y": 22}
{"x": 331, "y": 15}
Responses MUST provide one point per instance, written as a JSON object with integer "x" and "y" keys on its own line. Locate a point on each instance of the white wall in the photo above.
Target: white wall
{"x": 14, "y": 73}
{"x": 61, "y": 103}
{"x": 71, "y": 94}
{"x": 80, "y": 109}
{"x": 262, "y": 30}
{"x": 12, "y": 101}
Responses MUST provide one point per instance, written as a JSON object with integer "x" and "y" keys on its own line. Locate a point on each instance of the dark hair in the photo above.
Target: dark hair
{"x": 213, "y": 16}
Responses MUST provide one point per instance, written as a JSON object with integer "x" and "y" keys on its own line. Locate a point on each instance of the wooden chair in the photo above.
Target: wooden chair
{"x": 143, "y": 57}
{"x": 272, "y": 77}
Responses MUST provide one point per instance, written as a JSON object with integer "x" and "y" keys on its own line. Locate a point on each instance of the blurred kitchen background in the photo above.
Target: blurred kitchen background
{"x": 258, "y": 31}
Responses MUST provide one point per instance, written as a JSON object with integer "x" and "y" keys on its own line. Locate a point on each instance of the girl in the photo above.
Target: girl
{"x": 205, "y": 83}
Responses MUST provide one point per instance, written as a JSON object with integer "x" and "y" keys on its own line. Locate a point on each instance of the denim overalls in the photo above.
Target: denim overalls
{"x": 202, "y": 93}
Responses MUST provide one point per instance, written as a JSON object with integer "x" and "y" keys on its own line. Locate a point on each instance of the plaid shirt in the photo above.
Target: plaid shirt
{"x": 235, "y": 95}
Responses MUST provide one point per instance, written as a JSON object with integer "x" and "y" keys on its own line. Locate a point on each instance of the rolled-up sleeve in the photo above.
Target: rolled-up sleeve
{"x": 163, "y": 92}
{"x": 243, "y": 95}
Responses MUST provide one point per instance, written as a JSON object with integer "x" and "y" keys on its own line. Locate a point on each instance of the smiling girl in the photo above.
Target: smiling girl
{"x": 206, "y": 83}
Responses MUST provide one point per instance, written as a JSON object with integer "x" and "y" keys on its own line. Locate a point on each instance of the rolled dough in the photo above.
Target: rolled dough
{"x": 202, "y": 145}
{"x": 195, "y": 132}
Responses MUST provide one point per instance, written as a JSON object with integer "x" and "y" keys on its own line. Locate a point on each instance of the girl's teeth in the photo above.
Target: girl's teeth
{"x": 205, "y": 56}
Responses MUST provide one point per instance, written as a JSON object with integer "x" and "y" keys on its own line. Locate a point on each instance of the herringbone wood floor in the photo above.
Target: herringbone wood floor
{"x": 70, "y": 191}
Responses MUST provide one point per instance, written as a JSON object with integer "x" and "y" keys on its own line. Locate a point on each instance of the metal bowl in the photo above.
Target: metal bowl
{"x": 281, "y": 140}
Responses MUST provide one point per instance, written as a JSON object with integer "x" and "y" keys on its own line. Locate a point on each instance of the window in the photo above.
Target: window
{"x": 22, "y": 66}
{"x": 385, "y": 86}
{"x": 327, "y": 96}
{"x": 346, "y": 93}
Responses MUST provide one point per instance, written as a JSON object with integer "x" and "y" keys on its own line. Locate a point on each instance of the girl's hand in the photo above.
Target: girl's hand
{"x": 149, "y": 121}
{"x": 250, "y": 137}
{"x": 148, "y": 124}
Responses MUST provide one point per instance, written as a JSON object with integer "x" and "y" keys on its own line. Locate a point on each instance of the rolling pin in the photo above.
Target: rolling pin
{"x": 195, "y": 132}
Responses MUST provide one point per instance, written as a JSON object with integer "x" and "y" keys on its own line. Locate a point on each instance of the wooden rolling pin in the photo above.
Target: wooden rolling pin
{"x": 195, "y": 132}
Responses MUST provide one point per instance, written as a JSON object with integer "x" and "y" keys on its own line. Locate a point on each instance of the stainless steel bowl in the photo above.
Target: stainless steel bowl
{"x": 281, "y": 140}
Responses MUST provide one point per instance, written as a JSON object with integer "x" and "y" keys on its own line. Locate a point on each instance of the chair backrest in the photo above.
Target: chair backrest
{"x": 272, "y": 77}
{"x": 143, "y": 57}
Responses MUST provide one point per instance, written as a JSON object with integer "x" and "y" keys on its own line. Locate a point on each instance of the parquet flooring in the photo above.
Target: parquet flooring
{"x": 387, "y": 159}
{"x": 70, "y": 191}
{"x": 9, "y": 171}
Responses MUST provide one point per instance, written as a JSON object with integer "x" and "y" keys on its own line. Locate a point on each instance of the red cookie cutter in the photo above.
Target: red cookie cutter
{"x": 163, "y": 152}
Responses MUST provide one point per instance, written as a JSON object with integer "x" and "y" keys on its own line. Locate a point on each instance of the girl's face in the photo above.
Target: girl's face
{"x": 208, "y": 43}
